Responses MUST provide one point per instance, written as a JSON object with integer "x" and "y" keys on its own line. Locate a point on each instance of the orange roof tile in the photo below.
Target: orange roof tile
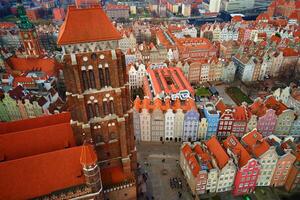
{"x": 217, "y": 151}
{"x": 47, "y": 65}
{"x": 39, "y": 175}
{"x": 272, "y": 103}
{"x": 137, "y": 103}
{"x": 36, "y": 141}
{"x": 290, "y": 52}
{"x": 220, "y": 105}
{"x": 88, "y": 156}
{"x": 255, "y": 143}
{"x": 38, "y": 122}
{"x": 240, "y": 113}
{"x": 235, "y": 146}
{"x": 77, "y": 26}
{"x": 205, "y": 157}
{"x": 258, "y": 108}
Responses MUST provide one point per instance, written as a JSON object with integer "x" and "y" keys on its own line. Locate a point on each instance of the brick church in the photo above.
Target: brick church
{"x": 98, "y": 95}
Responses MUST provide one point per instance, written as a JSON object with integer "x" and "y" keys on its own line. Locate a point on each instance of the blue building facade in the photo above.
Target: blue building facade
{"x": 213, "y": 117}
{"x": 190, "y": 126}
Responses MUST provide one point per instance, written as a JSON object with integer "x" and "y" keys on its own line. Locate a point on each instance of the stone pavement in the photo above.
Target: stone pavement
{"x": 158, "y": 184}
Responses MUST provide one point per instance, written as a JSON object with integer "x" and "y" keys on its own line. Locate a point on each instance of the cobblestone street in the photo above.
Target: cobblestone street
{"x": 157, "y": 184}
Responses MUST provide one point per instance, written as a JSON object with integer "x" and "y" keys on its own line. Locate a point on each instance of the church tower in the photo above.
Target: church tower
{"x": 28, "y": 33}
{"x": 91, "y": 171}
{"x": 98, "y": 93}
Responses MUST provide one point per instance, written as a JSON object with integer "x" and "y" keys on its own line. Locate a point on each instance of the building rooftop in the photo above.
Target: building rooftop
{"x": 255, "y": 143}
{"x": 77, "y": 26}
{"x": 236, "y": 147}
{"x": 40, "y": 175}
{"x": 217, "y": 151}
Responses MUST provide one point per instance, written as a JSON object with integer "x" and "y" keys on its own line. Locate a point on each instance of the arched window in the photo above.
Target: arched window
{"x": 85, "y": 80}
{"x": 107, "y": 76}
{"x": 101, "y": 77}
{"x": 92, "y": 79}
{"x": 112, "y": 108}
{"x": 97, "y": 110}
{"x": 90, "y": 111}
{"x": 105, "y": 108}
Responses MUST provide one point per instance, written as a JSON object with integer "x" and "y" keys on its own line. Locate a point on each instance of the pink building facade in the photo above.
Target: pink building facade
{"x": 248, "y": 167}
{"x": 266, "y": 123}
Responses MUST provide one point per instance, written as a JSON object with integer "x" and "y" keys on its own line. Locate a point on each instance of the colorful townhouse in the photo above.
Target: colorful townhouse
{"x": 225, "y": 165}
{"x": 284, "y": 163}
{"x": 285, "y": 116}
{"x": 206, "y": 163}
{"x": 165, "y": 120}
{"x": 241, "y": 117}
{"x": 266, "y": 155}
{"x": 190, "y": 125}
{"x": 169, "y": 121}
{"x": 293, "y": 179}
{"x": 226, "y": 120}
{"x": 196, "y": 175}
{"x": 267, "y": 118}
{"x": 178, "y": 126}
{"x": 136, "y": 118}
{"x": 145, "y": 120}
{"x": 212, "y": 116}
{"x": 157, "y": 122}
{"x": 202, "y": 129}
{"x": 247, "y": 167}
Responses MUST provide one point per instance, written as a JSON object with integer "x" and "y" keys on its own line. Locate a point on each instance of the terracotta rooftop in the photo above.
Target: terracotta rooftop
{"x": 88, "y": 156}
{"x": 235, "y": 146}
{"x": 217, "y": 151}
{"x": 77, "y": 26}
{"x": 258, "y": 108}
{"x": 35, "y": 141}
{"x": 255, "y": 143}
{"x": 278, "y": 106}
{"x": 38, "y": 122}
{"x": 40, "y": 175}
{"x": 240, "y": 113}
{"x": 46, "y": 65}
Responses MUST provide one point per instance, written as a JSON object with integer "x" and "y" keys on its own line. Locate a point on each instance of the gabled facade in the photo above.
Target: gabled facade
{"x": 190, "y": 125}
{"x": 266, "y": 123}
{"x": 225, "y": 165}
{"x": 178, "y": 126}
{"x": 264, "y": 153}
{"x": 284, "y": 163}
{"x": 157, "y": 125}
{"x": 247, "y": 167}
{"x": 212, "y": 119}
{"x": 169, "y": 124}
{"x": 202, "y": 129}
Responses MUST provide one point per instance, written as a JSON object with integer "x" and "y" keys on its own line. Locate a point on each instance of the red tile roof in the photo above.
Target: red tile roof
{"x": 258, "y": 108}
{"x": 240, "y": 113}
{"x": 220, "y": 105}
{"x": 235, "y": 146}
{"x": 40, "y": 175}
{"x": 278, "y": 106}
{"x": 255, "y": 143}
{"x": 38, "y": 122}
{"x": 77, "y": 26}
{"x": 290, "y": 52}
{"x": 204, "y": 157}
{"x": 47, "y": 65}
{"x": 36, "y": 141}
{"x": 217, "y": 151}
{"x": 88, "y": 156}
